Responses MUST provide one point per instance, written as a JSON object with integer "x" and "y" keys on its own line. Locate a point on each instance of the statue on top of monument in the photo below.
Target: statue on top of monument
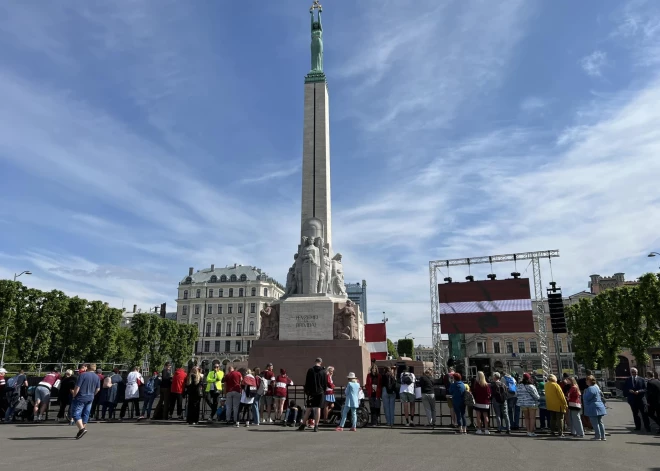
{"x": 317, "y": 38}
{"x": 337, "y": 280}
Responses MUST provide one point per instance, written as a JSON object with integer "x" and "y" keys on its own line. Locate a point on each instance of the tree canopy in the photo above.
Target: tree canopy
{"x": 625, "y": 317}
{"x": 50, "y": 327}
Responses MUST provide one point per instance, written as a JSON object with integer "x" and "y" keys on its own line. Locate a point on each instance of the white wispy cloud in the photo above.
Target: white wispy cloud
{"x": 533, "y": 103}
{"x": 593, "y": 63}
{"x": 292, "y": 169}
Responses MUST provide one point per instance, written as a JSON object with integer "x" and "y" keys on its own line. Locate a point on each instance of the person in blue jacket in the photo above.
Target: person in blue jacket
{"x": 352, "y": 403}
{"x": 594, "y": 408}
{"x": 456, "y": 391}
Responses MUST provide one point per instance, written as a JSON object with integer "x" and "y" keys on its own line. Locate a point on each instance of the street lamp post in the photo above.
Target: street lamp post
{"x": 4, "y": 344}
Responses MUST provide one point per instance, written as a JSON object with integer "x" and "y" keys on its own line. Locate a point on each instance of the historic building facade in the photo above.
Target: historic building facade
{"x": 224, "y": 304}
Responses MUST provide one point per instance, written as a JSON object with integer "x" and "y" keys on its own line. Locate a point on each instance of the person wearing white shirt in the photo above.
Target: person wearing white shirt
{"x": 407, "y": 394}
{"x": 133, "y": 382}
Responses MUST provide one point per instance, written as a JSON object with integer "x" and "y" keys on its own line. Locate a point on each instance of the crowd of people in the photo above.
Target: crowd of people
{"x": 565, "y": 408}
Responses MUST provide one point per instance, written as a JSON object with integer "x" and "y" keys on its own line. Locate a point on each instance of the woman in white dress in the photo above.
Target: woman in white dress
{"x": 133, "y": 382}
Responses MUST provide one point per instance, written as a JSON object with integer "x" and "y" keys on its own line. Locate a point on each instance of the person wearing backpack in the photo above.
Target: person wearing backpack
{"x": 407, "y": 395}
{"x": 248, "y": 392}
{"x": 512, "y": 401}
{"x": 150, "y": 392}
{"x": 499, "y": 400}
{"x": 13, "y": 390}
{"x": 457, "y": 391}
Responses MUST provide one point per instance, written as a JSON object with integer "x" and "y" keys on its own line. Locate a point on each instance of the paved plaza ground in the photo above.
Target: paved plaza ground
{"x": 150, "y": 446}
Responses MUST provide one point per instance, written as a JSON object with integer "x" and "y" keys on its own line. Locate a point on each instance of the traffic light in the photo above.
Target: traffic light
{"x": 556, "y": 306}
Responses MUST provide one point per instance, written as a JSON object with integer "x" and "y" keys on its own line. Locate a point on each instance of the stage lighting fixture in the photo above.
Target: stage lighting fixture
{"x": 515, "y": 274}
{"x": 469, "y": 278}
{"x": 448, "y": 279}
{"x": 492, "y": 276}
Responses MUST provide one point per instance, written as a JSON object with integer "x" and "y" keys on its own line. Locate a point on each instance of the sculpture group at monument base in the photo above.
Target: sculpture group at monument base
{"x": 297, "y": 356}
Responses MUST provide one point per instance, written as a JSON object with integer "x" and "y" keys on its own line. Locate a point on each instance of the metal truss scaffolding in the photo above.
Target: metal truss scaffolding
{"x": 439, "y": 351}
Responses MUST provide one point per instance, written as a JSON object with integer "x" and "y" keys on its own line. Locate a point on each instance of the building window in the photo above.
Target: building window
{"x": 197, "y": 309}
{"x": 214, "y": 279}
{"x": 240, "y": 292}
{"x": 209, "y": 309}
{"x": 253, "y": 308}
{"x": 240, "y": 309}
{"x": 198, "y": 293}
{"x": 238, "y": 346}
{"x": 532, "y": 346}
{"x": 249, "y": 344}
{"x": 239, "y": 328}
{"x": 254, "y": 291}
{"x": 184, "y": 310}
{"x": 561, "y": 345}
{"x": 185, "y": 294}
{"x": 221, "y": 292}
{"x": 251, "y": 327}
{"x": 230, "y": 308}
{"x": 223, "y": 278}
{"x": 509, "y": 346}
{"x": 218, "y": 331}
{"x": 210, "y": 293}
{"x": 208, "y": 329}
{"x": 265, "y": 291}
{"x": 219, "y": 308}
{"x": 217, "y": 346}
{"x": 243, "y": 277}
{"x": 496, "y": 347}
{"x": 207, "y": 346}
{"x": 232, "y": 278}
{"x": 481, "y": 347}
{"x": 231, "y": 292}
{"x": 227, "y": 346}
{"x": 228, "y": 329}
{"x": 521, "y": 346}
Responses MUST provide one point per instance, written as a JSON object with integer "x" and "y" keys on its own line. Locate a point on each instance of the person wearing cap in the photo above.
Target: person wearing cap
{"x": 42, "y": 394}
{"x": 352, "y": 403}
{"x": 316, "y": 382}
{"x": 269, "y": 379}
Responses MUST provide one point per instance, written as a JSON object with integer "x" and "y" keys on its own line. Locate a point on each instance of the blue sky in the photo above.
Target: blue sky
{"x": 139, "y": 138}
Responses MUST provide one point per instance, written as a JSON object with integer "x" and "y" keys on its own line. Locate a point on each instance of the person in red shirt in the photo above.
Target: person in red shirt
{"x": 279, "y": 392}
{"x": 232, "y": 380}
{"x": 42, "y": 394}
{"x": 269, "y": 377}
{"x": 176, "y": 395}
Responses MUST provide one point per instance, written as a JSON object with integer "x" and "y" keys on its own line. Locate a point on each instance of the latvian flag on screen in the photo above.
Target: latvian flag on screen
{"x": 491, "y": 306}
{"x": 375, "y": 335}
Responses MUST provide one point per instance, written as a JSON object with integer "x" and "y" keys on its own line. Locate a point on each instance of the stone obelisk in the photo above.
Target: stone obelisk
{"x": 314, "y": 318}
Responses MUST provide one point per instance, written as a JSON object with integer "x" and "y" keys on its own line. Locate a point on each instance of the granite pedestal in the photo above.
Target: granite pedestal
{"x": 297, "y": 356}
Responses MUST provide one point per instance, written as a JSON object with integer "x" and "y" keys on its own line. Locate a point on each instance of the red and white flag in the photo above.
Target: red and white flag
{"x": 375, "y": 335}
{"x": 491, "y": 306}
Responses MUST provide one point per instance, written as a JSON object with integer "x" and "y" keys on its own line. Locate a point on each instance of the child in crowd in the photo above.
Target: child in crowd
{"x": 293, "y": 415}
{"x": 222, "y": 410}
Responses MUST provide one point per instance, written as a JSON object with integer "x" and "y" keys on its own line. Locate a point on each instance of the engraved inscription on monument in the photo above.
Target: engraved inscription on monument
{"x": 306, "y": 319}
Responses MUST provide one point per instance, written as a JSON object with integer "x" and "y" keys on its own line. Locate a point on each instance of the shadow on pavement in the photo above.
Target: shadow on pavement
{"x": 41, "y": 438}
{"x": 641, "y": 443}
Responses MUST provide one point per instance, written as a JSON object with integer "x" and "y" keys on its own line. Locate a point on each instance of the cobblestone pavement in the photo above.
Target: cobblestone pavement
{"x": 147, "y": 446}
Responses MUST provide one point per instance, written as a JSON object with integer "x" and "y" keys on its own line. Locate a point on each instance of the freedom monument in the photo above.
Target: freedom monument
{"x": 315, "y": 318}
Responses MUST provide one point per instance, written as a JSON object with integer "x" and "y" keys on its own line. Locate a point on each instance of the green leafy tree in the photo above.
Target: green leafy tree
{"x": 406, "y": 347}
{"x": 391, "y": 349}
{"x": 183, "y": 348}
{"x": 160, "y": 353}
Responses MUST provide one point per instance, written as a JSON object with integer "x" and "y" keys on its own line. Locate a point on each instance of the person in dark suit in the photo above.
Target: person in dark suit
{"x": 635, "y": 390}
{"x": 653, "y": 397}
